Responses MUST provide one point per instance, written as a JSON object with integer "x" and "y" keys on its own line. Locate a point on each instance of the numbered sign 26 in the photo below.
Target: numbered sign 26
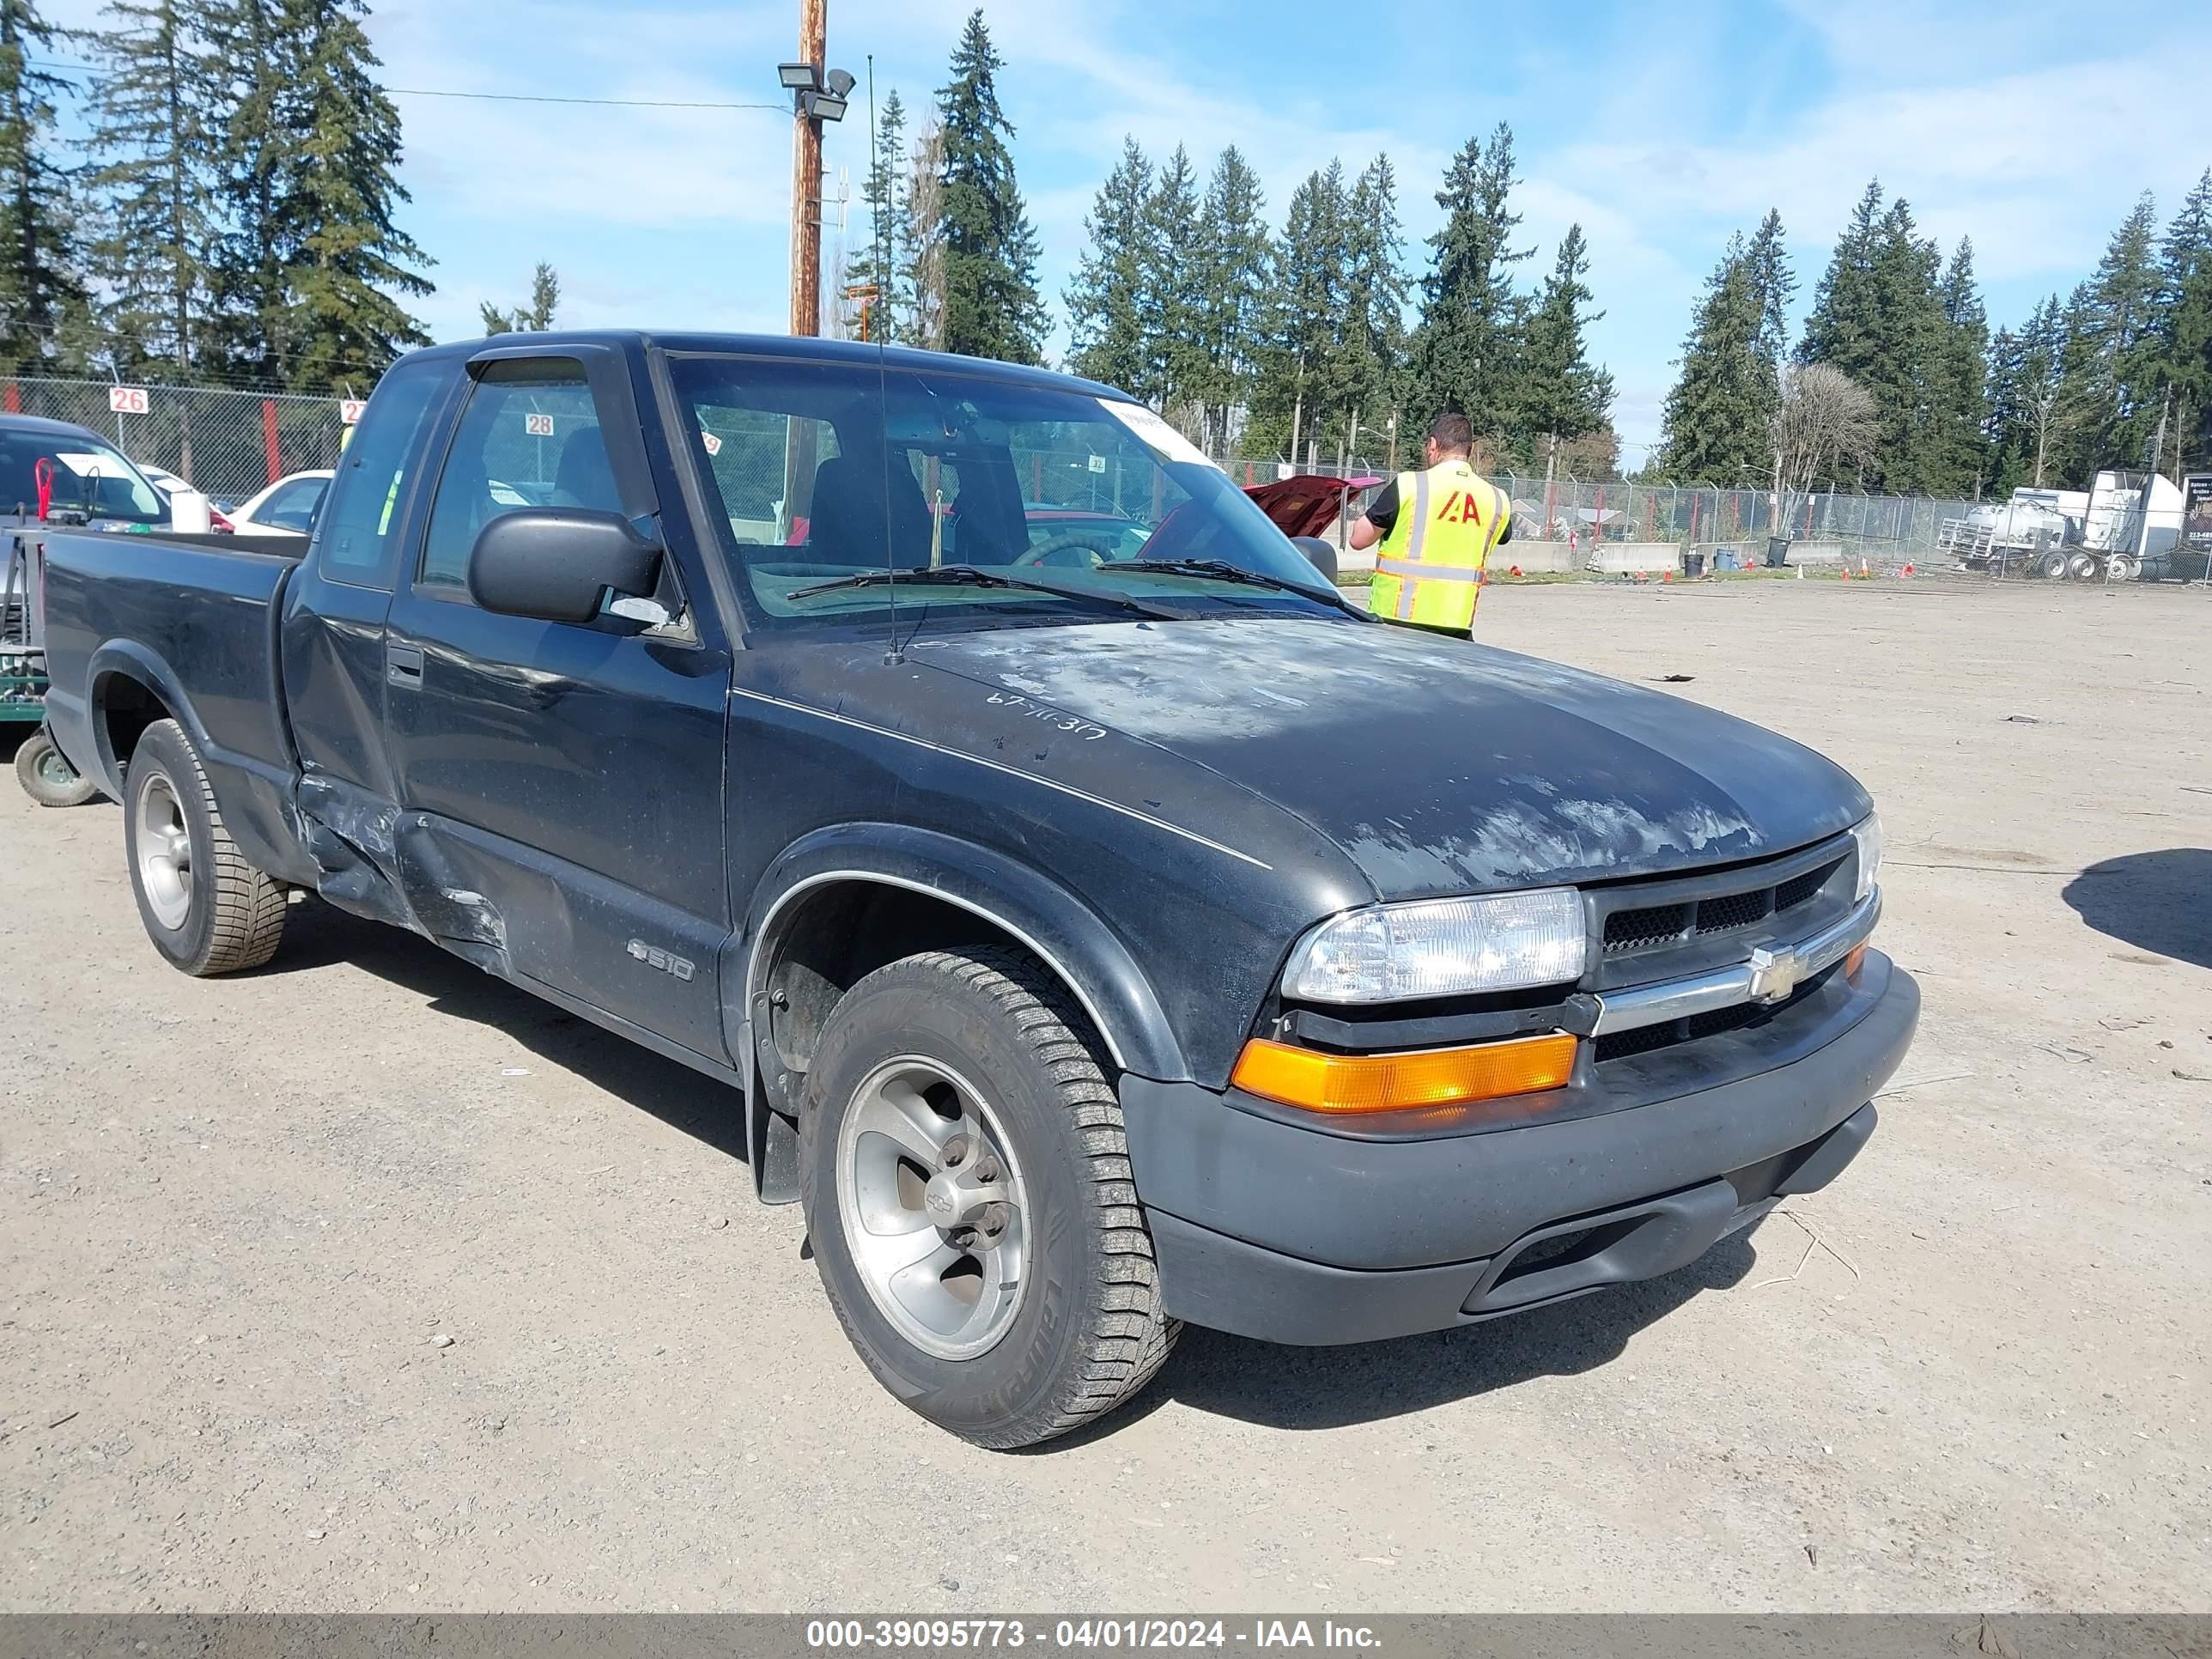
{"x": 127, "y": 399}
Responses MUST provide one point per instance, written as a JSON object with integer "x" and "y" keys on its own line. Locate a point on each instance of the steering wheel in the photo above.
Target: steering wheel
{"x": 1053, "y": 552}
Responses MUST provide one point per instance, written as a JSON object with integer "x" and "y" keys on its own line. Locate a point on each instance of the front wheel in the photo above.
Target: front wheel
{"x": 46, "y": 776}
{"x": 969, "y": 1200}
{"x": 207, "y": 910}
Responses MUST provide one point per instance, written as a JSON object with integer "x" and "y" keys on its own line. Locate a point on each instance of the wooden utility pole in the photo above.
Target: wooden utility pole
{"x": 807, "y": 178}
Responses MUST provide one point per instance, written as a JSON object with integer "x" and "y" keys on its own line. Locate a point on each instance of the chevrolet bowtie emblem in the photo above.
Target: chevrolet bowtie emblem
{"x": 1775, "y": 974}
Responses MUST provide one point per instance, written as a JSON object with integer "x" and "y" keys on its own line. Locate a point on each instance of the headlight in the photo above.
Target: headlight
{"x": 1442, "y": 947}
{"x": 1867, "y": 834}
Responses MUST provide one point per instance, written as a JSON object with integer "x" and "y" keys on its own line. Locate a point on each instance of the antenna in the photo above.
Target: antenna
{"x": 892, "y": 656}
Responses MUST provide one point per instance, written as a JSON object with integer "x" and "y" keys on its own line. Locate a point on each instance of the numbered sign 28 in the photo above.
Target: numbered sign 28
{"x": 537, "y": 426}
{"x": 127, "y": 399}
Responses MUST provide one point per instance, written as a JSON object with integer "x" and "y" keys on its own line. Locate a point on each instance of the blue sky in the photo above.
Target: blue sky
{"x": 1660, "y": 128}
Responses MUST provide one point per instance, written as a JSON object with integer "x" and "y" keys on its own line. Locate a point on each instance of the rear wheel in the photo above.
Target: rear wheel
{"x": 2051, "y": 566}
{"x": 970, "y": 1204}
{"x": 46, "y": 776}
{"x": 2083, "y": 567}
{"x": 207, "y": 910}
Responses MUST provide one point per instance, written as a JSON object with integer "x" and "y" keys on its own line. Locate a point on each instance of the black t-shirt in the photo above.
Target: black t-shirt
{"x": 1382, "y": 511}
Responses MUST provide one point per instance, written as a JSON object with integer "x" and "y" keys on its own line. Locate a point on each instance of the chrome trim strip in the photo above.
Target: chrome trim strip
{"x": 1011, "y": 771}
{"x": 1679, "y": 999}
{"x": 755, "y": 984}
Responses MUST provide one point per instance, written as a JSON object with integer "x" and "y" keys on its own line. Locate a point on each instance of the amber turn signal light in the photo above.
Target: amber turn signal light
{"x": 1397, "y": 1083}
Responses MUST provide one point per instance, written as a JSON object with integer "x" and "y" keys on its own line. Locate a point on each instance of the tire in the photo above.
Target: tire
{"x": 2084, "y": 567}
{"x": 46, "y": 776}
{"x": 1083, "y": 1329}
{"x": 207, "y": 910}
{"x": 2051, "y": 566}
{"x": 2122, "y": 568}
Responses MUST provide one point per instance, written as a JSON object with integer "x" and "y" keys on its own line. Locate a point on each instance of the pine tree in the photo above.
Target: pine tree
{"x": 1170, "y": 299}
{"x": 990, "y": 254}
{"x": 1564, "y": 395}
{"x": 1840, "y": 326}
{"x": 1773, "y": 284}
{"x": 251, "y": 309}
{"x": 2185, "y": 323}
{"x": 1105, "y": 321}
{"x": 348, "y": 261}
{"x": 155, "y": 121}
{"x": 1716, "y": 418}
{"x": 1290, "y": 405}
{"x": 1959, "y": 384}
{"x": 536, "y": 316}
{"x": 2031, "y": 416}
{"x": 1878, "y": 316}
{"x": 1236, "y": 256}
{"x": 1375, "y": 290}
{"x": 884, "y": 193}
{"x": 41, "y": 287}
{"x": 1466, "y": 341}
{"x": 2111, "y": 350}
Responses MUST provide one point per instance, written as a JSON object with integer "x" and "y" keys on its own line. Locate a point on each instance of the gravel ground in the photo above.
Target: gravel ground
{"x": 368, "y": 1282}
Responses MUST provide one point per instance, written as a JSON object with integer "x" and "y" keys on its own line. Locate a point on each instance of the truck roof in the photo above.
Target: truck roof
{"x": 46, "y": 429}
{"x": 790, "y": 346}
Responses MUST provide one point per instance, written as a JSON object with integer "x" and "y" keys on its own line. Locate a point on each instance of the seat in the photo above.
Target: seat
{"x": 584, "y": 478}
{"x": 852, "y": 522}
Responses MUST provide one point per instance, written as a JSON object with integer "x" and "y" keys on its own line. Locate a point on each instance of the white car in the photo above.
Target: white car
{"x": 287, "y": 507}
{"x": 171, "y": 487}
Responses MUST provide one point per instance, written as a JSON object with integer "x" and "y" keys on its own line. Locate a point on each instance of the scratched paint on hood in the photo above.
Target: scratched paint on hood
{"x": 1436, "y": 767}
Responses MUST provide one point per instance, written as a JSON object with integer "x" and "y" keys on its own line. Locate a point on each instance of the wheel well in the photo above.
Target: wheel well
{"x": 127, "y": 706}
{"x": 833, "y": 937}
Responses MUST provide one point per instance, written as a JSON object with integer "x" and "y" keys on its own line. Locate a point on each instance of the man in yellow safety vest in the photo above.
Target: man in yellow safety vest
{"x": 1437, "y": 528}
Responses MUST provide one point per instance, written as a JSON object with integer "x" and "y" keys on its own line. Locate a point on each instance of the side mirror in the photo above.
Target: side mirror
{"x": 1318, "y": 552}
{"x": 556, "y": 564}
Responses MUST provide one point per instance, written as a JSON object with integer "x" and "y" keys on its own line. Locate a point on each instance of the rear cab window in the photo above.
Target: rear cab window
{"x": 356, "y": 534}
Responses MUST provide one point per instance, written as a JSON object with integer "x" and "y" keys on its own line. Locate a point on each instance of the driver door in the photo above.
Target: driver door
{"x": 560, "y": 784}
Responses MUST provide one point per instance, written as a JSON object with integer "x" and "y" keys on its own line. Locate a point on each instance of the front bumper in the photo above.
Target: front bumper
{"x": 1273, "y": 1228}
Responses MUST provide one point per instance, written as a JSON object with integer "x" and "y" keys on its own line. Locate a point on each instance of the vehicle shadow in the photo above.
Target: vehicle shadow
{"x": 1283, "y": 1388}
{"x": 2157, "y": 901}
{"x": 319, "y": 935}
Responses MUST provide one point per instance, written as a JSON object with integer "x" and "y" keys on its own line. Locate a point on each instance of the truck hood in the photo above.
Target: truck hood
{"x": 1436, "y": 766}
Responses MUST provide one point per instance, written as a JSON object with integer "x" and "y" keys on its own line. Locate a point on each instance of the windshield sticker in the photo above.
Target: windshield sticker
{"x": 85, "y": 465}
{"x": 1155, "y": 433}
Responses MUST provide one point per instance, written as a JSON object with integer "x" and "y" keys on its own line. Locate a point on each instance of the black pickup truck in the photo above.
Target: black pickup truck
{"x": 1102, "y": 924}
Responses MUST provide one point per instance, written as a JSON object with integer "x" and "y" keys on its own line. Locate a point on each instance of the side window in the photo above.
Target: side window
{"x": 293, "y": 506}
{"x": 354, "y": 535}
{"x": 530, "y": 437}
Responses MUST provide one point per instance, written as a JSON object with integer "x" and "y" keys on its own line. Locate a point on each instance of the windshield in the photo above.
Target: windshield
{"x": 86, "y": 475}
{"x": 826, "y": 471}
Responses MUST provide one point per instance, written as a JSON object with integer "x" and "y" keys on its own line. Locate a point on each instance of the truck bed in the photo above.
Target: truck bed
{"x": 193, "y": 615}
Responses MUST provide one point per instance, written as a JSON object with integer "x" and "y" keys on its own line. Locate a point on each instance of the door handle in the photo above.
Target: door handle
{"x": 403, "y": 666}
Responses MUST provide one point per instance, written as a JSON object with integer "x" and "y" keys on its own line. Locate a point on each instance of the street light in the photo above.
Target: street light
{"x": 796, "y": 75}
{"x": 822, "y": 105}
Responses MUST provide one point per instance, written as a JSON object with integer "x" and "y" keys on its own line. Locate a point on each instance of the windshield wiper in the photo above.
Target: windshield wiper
{"x": 1221, "y": 570}
{"x": 973, "y": 576}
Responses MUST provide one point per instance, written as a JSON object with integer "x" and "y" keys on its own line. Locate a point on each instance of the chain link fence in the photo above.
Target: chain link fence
{"x": 1883, "y": 530}
{"x": 226, "y": 442}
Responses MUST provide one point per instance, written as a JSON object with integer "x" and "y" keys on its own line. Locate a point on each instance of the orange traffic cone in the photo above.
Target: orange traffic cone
{"x": 1907, "y": 571}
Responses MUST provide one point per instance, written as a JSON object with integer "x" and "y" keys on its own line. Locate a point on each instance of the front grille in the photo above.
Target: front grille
{"x": 1645, "y": 926}
{"x": 1720, "y": 915}
{"x": 1649, "y": 1039}
{"x": 1638, "y": 929}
